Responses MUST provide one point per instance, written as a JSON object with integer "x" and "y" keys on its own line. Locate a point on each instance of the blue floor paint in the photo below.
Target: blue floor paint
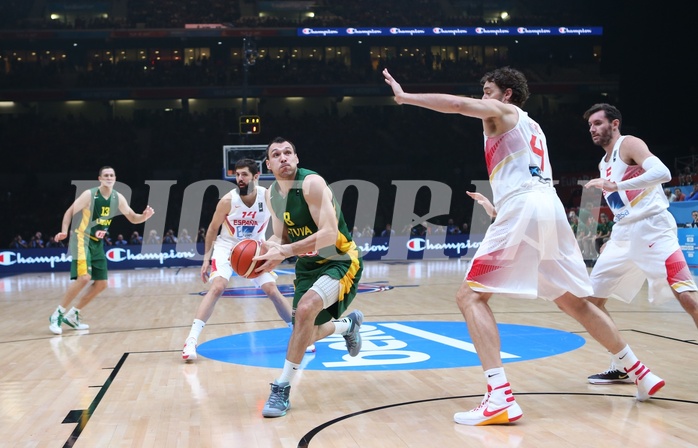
{"x": 392, "y": 345}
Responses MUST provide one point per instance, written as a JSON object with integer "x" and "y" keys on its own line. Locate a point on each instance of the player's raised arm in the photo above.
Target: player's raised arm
{"x": 133, "y": 217}
{"x": 450, "y": 104}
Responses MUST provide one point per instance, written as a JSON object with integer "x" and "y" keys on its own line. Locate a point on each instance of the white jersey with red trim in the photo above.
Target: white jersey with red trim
{"x": 245, "y": 222}
{"x": 529, "y": 251}
{"x": 517, "y": 161}
{"x": 629, "y": 205}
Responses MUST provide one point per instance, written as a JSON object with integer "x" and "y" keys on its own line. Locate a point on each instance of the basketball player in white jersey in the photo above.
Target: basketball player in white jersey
{"x": 514, "y": 258}
{"x": 643, "y": 244}
{"x": 241, "y": 213}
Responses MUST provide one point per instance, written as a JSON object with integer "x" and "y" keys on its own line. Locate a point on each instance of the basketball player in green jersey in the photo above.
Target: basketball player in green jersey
{"x": 95, "y": 208}
{"x": 309, "y": 224}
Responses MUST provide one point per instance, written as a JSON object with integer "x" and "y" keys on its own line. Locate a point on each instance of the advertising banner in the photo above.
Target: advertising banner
{"x": 440, "y": 246}
{"x": 688, "y": 240}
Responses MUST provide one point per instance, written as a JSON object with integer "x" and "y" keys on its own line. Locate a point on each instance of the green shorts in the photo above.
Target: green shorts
{"x": 88, "y": 258}
{"x": 347, "y": 272}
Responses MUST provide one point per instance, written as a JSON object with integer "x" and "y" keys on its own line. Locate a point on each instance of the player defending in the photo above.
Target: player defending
{"x": 643, "y": 244}
{"x": 513, "y": 259}
{"x": 97, "y": 207}
{"x": 309, "y": 224}
{"x": 239, "y": 214}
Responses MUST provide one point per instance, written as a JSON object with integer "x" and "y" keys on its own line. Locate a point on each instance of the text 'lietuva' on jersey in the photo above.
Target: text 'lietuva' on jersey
{"x": 629, "y": 205}
{"x": 293, "y": 211}
{"x": 95, "y": 220}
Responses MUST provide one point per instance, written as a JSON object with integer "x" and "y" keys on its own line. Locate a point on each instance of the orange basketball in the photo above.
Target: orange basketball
{"x": 241, "y": 258}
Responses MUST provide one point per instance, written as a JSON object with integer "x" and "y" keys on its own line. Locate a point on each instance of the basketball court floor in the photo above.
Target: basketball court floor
{"x": 123, "y": 383}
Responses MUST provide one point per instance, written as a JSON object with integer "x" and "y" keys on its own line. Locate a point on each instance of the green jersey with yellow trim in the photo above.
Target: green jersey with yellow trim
{"x": 95, "y": 220}
{"x": 341, "y": 261}
{"x": 293, "y": 211}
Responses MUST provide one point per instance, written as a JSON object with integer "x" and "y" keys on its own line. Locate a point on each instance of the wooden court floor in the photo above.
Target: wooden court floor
{"x": 123, "y": 382}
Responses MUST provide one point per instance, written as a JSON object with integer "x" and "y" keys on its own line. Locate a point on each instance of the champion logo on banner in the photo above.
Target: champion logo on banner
{"x": 38, "y": 257}
{"x": 116, "y": 254}
{"x": 6, "y": 258}
{"x": 416, "y": 244}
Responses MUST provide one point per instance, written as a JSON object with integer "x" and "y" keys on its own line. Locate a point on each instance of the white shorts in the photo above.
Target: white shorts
{"x": 530, "y": 251}
{"x": 220, "y": 264}
{"x": 647, "y": 249}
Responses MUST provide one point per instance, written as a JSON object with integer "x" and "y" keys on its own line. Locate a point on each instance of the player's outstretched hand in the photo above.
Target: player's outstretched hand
{"x": 397, "y": 88}
{"x": 602, "y": 184}
{"x": 482, "y": 200}
{"x": 148, "y": 212}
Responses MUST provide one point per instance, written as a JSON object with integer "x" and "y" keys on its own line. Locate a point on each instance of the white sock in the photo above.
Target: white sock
{"x": 341, "y": 326}
{"x": 196, "y": 328}
{"x": 495, "y": 377}
{"x": 288, "y": 373}
{"x": 499, "y": 386}
{"x": 59, "y": 309}
{"x": 626, "y": 359}
{"x": 73, "y": 310}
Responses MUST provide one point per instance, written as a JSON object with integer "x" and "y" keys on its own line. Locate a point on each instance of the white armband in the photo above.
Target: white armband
{"x": 655, "y": 173}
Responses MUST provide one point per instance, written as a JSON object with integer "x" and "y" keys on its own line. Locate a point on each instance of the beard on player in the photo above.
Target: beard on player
{"x": 245, "y": 189}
